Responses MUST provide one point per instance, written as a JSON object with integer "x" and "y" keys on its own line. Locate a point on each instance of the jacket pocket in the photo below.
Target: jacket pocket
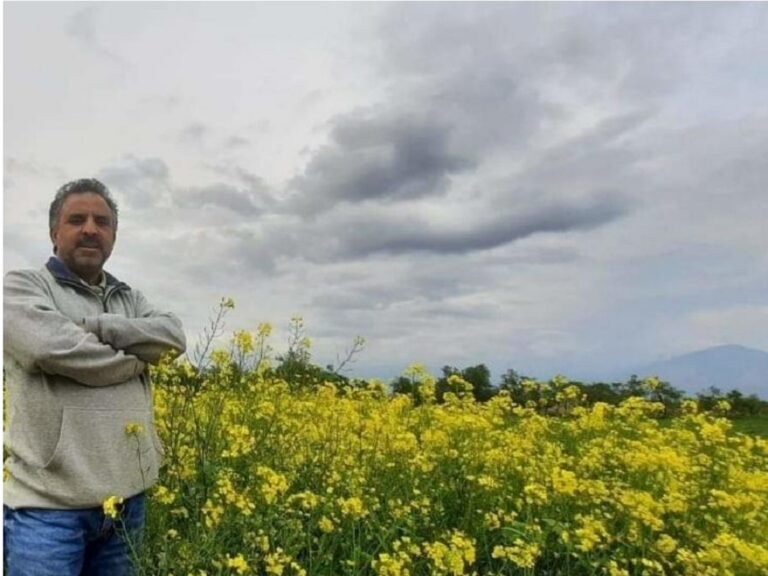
{"x": 102, "y": 452}
{"x": 56, "y": 446}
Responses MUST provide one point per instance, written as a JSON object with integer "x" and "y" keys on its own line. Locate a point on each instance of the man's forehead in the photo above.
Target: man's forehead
{"x": 85, "y": 201}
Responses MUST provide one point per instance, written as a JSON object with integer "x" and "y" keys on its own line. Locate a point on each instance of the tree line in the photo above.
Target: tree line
{"x": 296, "y": 368}
{"x": 524, "y": 390}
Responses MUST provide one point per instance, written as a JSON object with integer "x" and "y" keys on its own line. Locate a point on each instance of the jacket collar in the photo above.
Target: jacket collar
{"x": 63, "y": 274}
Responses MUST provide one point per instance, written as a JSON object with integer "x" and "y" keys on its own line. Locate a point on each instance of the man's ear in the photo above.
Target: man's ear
{"x": 52, "y": 234}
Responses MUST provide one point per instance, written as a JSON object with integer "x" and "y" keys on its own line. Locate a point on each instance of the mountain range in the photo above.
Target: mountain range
{"x": 725, "y": 367}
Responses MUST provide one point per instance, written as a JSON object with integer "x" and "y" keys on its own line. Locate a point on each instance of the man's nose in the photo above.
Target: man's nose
{"x": 89, "y": 226}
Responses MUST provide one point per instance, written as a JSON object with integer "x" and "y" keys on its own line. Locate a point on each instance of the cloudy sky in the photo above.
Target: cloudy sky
{"x": 554, "y": 188}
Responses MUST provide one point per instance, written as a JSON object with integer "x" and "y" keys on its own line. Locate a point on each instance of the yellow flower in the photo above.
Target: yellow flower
{"x": 213, "y": 513}
{"x": 689, "y": 406}
{"x": 277, "y": 561}
{"x": 453, "y": 557}
{"x": 163, "y": 495}
{"x": 133, "y": 429}
{"x": 111, "y": 506}
{"x": 392, "y": 565}
{"x": 564, "y": 482}
{"x": 227, "y": 303}
{"x": 521, "y": 553}
{"x": 352, "y": 507}
{"x": 243, "y": 340}
{"x": 618, "y": 490}
{"x": 722, "y": 407}
{"x": 238, "y": 563}
{"x": 666, "y": 544}
{"x": 264, "y": 330}
{"x": 535, "y": 493}
{"x": 615, "y": 570}
{"x": 274, "y": 484}
{"x": 326, "y": 525}
{"x": 590, "y": 533}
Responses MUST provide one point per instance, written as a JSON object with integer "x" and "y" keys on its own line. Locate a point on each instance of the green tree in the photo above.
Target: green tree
{"x": 601, "y": 392}
{"x": 478, "y": 376}
{"x": 665, "y": 393}
{"x": 512, "y": 381}
{"x": 403, "y": 385}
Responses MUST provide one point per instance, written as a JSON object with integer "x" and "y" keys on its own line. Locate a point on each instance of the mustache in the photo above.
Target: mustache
{"x": 89, "y": 244}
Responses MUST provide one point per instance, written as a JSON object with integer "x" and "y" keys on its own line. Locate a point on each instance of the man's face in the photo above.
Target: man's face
{"x": 84, "y": 234}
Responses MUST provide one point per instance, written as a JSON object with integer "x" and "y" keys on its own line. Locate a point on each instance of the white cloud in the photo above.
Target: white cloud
{"x": 549, "y": 188}
{"x": 729, "y": 325}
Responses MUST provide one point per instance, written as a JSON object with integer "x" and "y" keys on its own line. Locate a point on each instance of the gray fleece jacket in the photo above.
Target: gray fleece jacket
{"x": 76, "y": 376}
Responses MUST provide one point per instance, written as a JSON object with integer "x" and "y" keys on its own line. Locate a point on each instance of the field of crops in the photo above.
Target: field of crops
{"x": 757, "y": 426}
{"x": 263, "y": 478}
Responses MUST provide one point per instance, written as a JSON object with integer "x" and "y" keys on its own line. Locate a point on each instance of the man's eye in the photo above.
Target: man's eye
{"x": 103, "y": 221}
{"x": 76, "y": 220}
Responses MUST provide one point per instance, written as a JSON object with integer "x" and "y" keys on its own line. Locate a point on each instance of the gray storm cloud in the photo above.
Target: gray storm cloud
{"x": 141, "y": 181}
{"x": 448, "y": 177}
{"x": 83, "y": 27}
{"x": 467, "y": 114}
{"x": 394, "y": 235}
{"x": 245, "y": 202}
{"x": 194, "y": 133}
{"x": 380, "y": 157}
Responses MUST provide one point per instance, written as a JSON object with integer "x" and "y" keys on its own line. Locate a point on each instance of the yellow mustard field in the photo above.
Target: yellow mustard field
{"x": 262, "y": 477}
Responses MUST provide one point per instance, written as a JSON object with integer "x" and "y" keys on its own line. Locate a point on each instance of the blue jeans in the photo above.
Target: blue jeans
{"x": 42, "y": 542}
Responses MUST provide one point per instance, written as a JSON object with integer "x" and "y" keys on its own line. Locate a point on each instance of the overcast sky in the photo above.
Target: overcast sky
{"x": 554, "y": 188}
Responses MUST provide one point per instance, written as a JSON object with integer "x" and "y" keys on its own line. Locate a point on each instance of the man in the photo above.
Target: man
{"x": 81, "y": 444}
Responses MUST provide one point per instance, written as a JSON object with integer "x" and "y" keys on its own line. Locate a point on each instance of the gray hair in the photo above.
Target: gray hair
{"x": 80, "y": 186}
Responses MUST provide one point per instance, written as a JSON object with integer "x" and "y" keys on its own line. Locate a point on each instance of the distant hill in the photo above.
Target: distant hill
{"x": 725, "y": 367}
